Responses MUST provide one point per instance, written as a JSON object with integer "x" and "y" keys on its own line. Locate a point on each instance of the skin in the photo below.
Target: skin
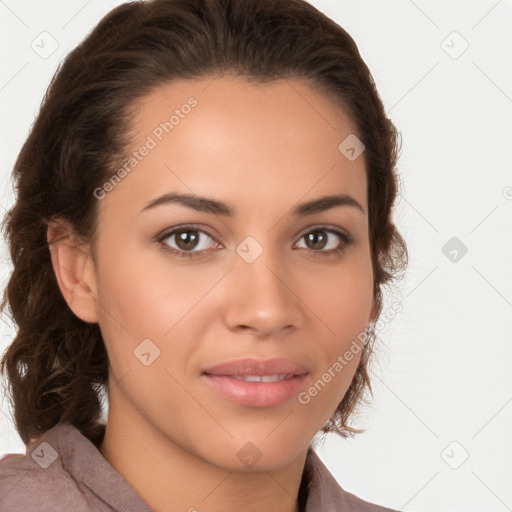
{"x": 262, "y": 148}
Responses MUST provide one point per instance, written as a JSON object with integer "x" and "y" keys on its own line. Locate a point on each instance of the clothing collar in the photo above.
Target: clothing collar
{"x": 87, "y": 466}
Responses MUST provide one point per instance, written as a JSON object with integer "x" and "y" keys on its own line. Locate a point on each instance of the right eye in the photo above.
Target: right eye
{"x": 186, "y": 241}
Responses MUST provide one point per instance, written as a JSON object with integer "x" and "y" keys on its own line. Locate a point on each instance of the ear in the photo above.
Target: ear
{"x": 74, "y": 269}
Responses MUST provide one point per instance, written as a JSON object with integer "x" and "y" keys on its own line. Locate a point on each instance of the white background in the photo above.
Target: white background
{"x": 441, "y": 376}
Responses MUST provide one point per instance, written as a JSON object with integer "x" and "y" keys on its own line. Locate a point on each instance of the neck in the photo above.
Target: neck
{"x": 171, "y": 479}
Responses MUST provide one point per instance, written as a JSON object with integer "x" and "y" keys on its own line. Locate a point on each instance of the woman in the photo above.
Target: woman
{"x": 203, "y": 226}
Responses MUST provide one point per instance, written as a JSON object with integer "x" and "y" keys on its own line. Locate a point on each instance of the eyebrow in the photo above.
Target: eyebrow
{"x": 207, "y": 205}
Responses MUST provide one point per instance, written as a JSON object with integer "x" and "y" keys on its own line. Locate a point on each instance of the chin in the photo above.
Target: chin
{"x": 260, "y": 454}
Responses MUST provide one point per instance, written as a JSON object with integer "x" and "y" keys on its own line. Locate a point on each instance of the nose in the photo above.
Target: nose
{"x": 260, "y": 296}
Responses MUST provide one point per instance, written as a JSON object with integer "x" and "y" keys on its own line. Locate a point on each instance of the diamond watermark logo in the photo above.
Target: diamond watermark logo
{"x": 455, "y": 455}
{"x": 454, "y": 45}
{"x": 454, "y": 249}
{"x": 249, "y": 249}
{"x": 351, "y": 147}
{"x": 45, "y": 45}
{"x": 249, "y": 455}
{"x": 146, "y": 352}
{"x": 45, "y": 455}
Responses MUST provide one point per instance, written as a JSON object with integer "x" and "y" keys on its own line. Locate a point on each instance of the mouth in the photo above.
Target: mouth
{"x": 256, "y": 382}
{"x": 277, "y": 368}
{"x": 254, "y": 391}
{"x": 261, "y": 378}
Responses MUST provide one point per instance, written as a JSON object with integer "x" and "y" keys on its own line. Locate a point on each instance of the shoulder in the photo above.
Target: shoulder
{"x": 63, "y": 470}
{"x": 38, "y": 480}
{"x": 356, "y": 504}
{"x": 325, "y": 493}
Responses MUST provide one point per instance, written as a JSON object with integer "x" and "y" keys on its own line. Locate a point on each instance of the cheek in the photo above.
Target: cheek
{"x": 342, "y": 299}
{"x": 138, "y": 301}
{"x": 139, "y": 295}
{"x": 343, "y": 306}
{"x": 342, "y": 302}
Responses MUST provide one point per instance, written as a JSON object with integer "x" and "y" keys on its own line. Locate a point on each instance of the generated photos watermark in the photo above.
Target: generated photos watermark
{"x": 157, "y": 135}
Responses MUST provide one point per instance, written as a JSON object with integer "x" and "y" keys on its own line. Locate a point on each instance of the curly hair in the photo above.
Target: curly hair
{"x": 57, "y": 365}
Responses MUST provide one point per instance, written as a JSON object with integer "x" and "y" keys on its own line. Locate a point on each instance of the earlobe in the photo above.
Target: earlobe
{"x": 74, "y": 269}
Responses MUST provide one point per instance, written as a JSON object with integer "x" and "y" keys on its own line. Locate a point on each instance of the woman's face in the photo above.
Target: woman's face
{"x": 271, "y": 279}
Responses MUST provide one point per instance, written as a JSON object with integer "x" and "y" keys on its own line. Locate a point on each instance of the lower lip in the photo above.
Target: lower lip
{"x": 256, "y": 394}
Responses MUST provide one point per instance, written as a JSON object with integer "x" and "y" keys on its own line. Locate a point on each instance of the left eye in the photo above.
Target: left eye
{"x": 320, "y": 238}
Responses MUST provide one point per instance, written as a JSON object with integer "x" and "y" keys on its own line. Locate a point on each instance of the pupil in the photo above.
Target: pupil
{"x": 314, "y": 238}
{"x": 182, "y": 239}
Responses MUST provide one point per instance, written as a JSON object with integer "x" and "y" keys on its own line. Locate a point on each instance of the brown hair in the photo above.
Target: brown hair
{"x": 57, "y": 365}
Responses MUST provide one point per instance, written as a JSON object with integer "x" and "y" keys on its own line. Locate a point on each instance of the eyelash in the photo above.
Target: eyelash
{"x": 347, "y": 240}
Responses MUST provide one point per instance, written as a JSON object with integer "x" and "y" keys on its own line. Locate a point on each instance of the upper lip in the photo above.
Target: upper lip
{"x": 251, "y": 366}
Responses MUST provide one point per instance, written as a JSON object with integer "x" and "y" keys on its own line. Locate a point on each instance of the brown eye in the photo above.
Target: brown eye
{"x": 316, "y": 240}
{"x": 186, "y": 241}
{"x": 326, "y": 241}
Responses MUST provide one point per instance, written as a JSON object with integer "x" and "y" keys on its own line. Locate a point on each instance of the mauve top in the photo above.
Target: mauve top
{"x": 65, "y": 472}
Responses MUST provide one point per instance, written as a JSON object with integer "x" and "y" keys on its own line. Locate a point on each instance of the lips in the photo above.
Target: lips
{"x": 257, "y": 367}
{"x": 256, "y": 382}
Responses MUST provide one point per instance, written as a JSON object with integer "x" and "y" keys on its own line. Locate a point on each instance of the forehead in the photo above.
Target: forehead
{"x": 238, "y": 103}
{"x": 226, "y": 136}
